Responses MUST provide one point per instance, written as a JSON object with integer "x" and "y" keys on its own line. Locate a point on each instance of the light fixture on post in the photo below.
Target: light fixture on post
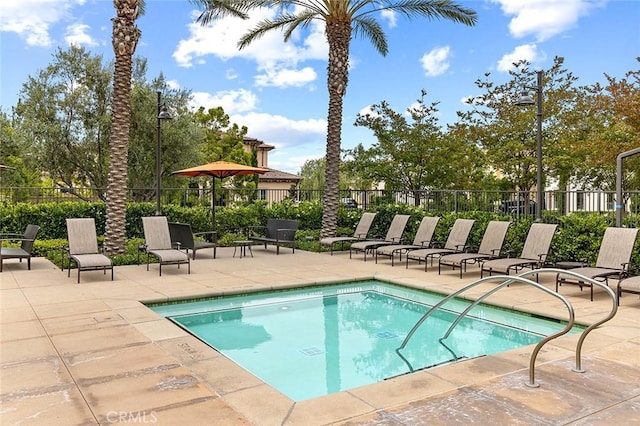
{"x": 525, "y": 100}
{"x": 162, "y": 114}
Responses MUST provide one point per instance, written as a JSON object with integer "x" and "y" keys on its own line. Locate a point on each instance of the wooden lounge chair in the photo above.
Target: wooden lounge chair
{"x": 422, "y": 240}
{"x": 394, "y": 236}
{"x": 183, "y": 236}
{"x": 26, "y": 245}
{"x": 83, "y": 247}
{"x": 456, "y": 242}
{"x": 490, "y": 248}
{"x": 534, "y": 253}
{"x": 613, "y": 259}
{"x": 360, "y": 234}
{"x": 157, "y": 242}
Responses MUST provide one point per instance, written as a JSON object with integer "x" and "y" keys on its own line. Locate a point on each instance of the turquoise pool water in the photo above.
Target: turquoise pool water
{"x": 320, "y": 340}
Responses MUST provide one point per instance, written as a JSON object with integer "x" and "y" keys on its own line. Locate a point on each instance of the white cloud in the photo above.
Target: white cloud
{"x": 287, "y": 135}
{"x": 528, "y": 52}
{"x": 173, "y": 84}
{"x": 231, "y": 74}
{"x": 276, "y": 75}
{"x": 232, "y": 101}
{"x": 436, "y": 62}
{"x": 276, "y": 60}
{"x": 76, "y": 34}
{"x": 545, "y": 18}
{"x": 32, "y": 19}
{"x": 390, "y": 17}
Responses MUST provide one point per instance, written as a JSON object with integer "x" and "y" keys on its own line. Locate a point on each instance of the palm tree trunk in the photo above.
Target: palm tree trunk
{"x": 338, "y": 37}
{"x": 125, "y": 40}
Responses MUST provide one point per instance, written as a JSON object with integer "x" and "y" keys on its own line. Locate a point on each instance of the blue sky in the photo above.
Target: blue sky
{"x": 278, "y": 90}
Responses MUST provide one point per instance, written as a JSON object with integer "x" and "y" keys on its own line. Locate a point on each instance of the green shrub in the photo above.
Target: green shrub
{"x": 578, "y": 236}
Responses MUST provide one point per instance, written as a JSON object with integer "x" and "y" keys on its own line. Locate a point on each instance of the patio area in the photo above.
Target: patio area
{"x": 92, "y": 353}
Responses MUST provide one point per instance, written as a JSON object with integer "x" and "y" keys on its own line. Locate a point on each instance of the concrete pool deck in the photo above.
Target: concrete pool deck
{"x": 92, "y": 353}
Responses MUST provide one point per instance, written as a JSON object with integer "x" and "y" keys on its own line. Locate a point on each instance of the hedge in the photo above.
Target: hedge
{"x": 578, "y": 236}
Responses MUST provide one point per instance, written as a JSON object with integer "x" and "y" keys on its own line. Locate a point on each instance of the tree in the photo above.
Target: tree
{"x": 181, "y": 137}
{"x": 613, "y": 116}
{"x": 508, "y": 133}
{"x": 16, "y": 153}
{"x": 342, "y": 19}
{"x": 414, "y": 155}
{"x": 64, "y": 111}
{"x": 223, "y": 141}
{"x": 125, "y": 37}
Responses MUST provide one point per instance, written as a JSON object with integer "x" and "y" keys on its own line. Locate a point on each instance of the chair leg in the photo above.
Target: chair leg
{"x": 78, "y": 274}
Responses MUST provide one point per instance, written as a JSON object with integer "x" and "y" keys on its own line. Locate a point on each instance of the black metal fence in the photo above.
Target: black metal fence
{"x": 514, "y": 202}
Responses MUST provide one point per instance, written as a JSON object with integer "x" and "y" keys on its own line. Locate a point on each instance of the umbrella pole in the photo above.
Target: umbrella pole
{"x": 213, "y": 203}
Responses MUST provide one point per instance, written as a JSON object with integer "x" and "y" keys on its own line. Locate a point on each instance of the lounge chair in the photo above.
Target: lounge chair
{"x": 394, "y": 236}
{"x": 490, "y": 248}
{"x": 83, "y": 247}
{"x": 456, "y": 242}
{"x": 628, "y": 285}
{"x": 534, "y": 253}
{"x": 613, "y": 259}
{"x": 360, "y": 234}
{"x": 26, "y": 245}
{"x": 279, "y": 232}
{"x": 183, "y": 236}
{"x": 157, "y": 241}
{"x": 422, "y": 240}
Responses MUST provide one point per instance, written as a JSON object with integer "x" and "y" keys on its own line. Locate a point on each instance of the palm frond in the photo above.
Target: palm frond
{"x": 302, "y": 19}
{"x": 216, "y": 9}
{"x": 265, "y": 26}
{"x": 430, "y": 9}
{"x": 367, "y": 27}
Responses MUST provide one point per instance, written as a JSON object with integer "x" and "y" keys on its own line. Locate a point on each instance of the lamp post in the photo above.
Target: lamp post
{"x": 524, "y": 100}
{"x": 162, "y": 114}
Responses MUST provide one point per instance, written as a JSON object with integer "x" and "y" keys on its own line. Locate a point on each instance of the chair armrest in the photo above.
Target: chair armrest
{"x": 425, "y": 244}
{"x": 10, "y": 236}
{"x": 460, "y": 247}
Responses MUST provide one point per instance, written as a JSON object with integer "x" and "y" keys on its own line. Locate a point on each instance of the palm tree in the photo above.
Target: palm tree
{"x": 342, "y": 18}
{"x": 124, "y": 39}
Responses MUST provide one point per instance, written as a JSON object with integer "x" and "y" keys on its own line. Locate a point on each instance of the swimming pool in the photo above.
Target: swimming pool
{"x": 316, "y": 341}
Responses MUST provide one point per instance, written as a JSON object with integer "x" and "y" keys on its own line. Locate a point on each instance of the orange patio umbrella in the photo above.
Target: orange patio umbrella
{"x": 219, "y": 169}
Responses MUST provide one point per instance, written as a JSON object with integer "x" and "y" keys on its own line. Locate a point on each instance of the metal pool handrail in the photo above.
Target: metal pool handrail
{"x": 583, "y": 336}
{"x": 507, "y": 281}
{"x": 520, "y": 278}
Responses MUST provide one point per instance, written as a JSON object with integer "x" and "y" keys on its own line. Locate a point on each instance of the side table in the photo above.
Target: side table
{"x": 243, "y": 245}
{"x": 569, "y": 264}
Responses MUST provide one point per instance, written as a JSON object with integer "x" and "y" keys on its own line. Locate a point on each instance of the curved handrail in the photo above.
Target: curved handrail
{"x": 520, "y": 278}
{"x": 583, "y": 336}
{"x": 507, "y": 280}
